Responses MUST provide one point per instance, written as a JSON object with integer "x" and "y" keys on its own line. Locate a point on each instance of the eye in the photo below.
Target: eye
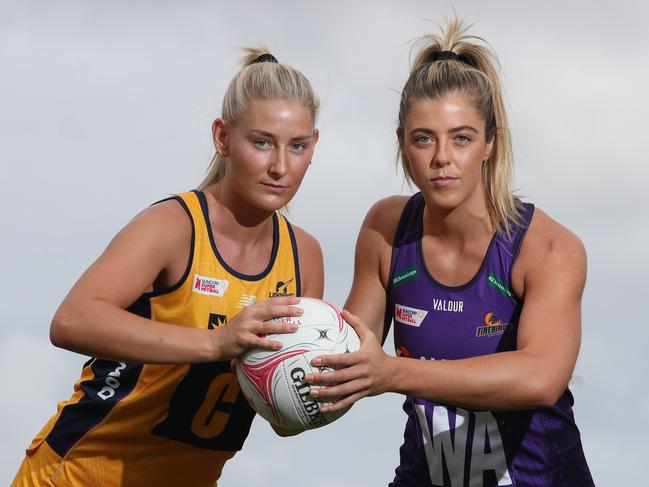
{"x": 261, "y": 143}
{"x": 463, "y": 139}
{"x": 298, "y": 147}
{"x": 423, "y": 139}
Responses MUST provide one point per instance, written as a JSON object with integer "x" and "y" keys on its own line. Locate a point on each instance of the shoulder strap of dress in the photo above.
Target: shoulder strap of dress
{"x": 511, "y": 243}
{"x": 189, "y": 204}
{"x": 410, "y": 228}
{"x": 286, "y": 230}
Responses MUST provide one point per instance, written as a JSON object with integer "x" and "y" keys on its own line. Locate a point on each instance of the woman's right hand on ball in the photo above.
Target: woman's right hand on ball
{"x": 249, "y": 328}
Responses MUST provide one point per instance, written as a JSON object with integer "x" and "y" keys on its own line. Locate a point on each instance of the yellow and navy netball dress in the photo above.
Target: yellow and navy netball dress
{"x": 132, "y": 424}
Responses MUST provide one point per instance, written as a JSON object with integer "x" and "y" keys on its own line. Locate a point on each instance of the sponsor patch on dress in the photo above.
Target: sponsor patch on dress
{"x": 209, "y": 285}
{"x": 409, "y": 316}
{"x": 405, "y": 275}
{"x": 246, "y": 300}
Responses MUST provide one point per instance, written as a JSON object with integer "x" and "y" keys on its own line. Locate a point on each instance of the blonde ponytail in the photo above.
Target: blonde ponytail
{"x": 455, "y": 62}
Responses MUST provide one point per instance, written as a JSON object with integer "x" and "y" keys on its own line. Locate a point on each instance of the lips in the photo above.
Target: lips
{"x": 274, "y": 187}
{"x": 444, "y": 180}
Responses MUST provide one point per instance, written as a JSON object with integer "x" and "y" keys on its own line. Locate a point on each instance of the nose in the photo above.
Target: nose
{"x": 441, "y": 157}
{"x": 278, "y": 165}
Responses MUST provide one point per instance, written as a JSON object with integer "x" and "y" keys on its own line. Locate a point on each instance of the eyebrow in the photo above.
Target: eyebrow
{"x": 263, "y": 133}
{"x": 303, "y": 137}
{"x": 453, "y": 130}
{"x": 464, "y": 127}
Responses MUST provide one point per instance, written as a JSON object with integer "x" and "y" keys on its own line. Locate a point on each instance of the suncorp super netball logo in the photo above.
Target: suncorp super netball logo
{"x": 209, "y": 286}
{"x": 409, "y": 316}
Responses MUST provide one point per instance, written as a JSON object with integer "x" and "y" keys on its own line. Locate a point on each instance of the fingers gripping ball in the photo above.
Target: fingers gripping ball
{"x": 273, "y": 381}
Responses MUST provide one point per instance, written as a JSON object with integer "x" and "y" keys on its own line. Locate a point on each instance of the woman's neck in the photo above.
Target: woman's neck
{"x": 235, "y": 218}
{"x": 469, "y": 221}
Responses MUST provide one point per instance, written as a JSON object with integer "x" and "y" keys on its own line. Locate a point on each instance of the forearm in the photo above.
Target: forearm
{"x": 101, "y": 329}
{"x": 506, "y": 380}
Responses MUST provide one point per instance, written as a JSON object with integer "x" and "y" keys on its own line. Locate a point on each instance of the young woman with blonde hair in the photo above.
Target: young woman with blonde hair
{"x": 484, "y": 290}
{"x": 184, "y": 288}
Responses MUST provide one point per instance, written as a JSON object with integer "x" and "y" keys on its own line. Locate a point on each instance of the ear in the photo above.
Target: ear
{"x": 220, "y": 132}
{"x": 316, "y": 136}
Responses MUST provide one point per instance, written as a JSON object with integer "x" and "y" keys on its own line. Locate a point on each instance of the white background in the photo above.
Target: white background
{"x": 106, "y": 107}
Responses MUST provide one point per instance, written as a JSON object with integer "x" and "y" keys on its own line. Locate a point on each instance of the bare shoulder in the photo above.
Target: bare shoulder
{"x": 550, "y": 250}
{"x": 305, "y": 241}
{"x": 383, "y": 217}
{"x": 167, "y": 220}
{"x": 311, "y": 263}
{"x": 375, "y": 239}
{"x": 546, "y": 236}
{"x": 167, "y": 211}
{"x": 152, "y": 249}
{"x": 160, "y": 233}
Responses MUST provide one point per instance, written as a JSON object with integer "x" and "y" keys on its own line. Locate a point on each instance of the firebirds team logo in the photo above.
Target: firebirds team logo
{"x": 209, "y": 286}
{"x": 492, "y": 326}
{"x": 409, "y": 316}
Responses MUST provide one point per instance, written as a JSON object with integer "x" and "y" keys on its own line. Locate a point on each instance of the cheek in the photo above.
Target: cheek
{"x": 301, "y": 161}
{"x": 471, "y": 161}
{"x": 419, "y": 161}
{"x": 246, "y": 160}
{"x": 299, "y": 167}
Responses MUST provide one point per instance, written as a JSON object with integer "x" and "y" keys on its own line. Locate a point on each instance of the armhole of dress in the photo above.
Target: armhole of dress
{"x": 296, "y": 258}
{"x": 402, "y": 227}
{"x": 190, "y": 260}
{"x": 518, "y": 243}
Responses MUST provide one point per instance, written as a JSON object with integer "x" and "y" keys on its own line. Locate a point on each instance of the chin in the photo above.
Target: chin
{"x": 443, "y": 199}
{"x": 272, "y": 203}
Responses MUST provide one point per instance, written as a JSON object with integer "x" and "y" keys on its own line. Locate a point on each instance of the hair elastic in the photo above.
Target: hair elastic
{"x": 266, "y": 58}
{"x": 444, "y": 55}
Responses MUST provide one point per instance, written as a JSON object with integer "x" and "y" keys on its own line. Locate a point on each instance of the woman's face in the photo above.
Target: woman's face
{"x": 444, "y": 143}
{"x": 269, "y": 149}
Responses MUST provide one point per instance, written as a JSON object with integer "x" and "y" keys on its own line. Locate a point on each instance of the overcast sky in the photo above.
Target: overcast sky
{"x": 106, "y": 107}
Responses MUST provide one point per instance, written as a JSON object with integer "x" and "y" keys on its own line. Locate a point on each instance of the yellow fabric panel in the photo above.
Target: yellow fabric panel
{"x": 179, "y": 424}
{"x": 164, "y": 464}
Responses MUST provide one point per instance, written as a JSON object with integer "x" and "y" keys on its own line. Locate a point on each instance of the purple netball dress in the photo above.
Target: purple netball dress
{"x": 450, "y": 446}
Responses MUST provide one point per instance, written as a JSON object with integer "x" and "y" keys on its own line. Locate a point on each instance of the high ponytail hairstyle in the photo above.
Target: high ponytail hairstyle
{"x": 470, "y": 69}
{"x": 260, "y": 78}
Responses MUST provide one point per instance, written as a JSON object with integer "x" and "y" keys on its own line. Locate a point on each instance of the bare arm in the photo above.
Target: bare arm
{"x": 93, "y": 320}
{"x": 373, "y": 255}
{"x": 552, "y": 274}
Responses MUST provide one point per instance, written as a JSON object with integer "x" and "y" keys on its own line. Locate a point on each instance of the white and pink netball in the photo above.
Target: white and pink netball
{"x": 273, "y": 381}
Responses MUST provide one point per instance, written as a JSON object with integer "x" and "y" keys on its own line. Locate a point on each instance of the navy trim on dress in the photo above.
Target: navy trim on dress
{"x": 183, "y": 278}
{"x": 111, "y": 382}
{"x": 296, "y": 259}
{"x": 397, "y": 242}
{"x": 239, "y": 275}
{"x": 529, "y": 213}
{"x": 483, "y": 265}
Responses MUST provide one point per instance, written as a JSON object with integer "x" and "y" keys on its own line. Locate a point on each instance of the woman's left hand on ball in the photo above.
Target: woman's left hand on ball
{"x": 357, "y": 375}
